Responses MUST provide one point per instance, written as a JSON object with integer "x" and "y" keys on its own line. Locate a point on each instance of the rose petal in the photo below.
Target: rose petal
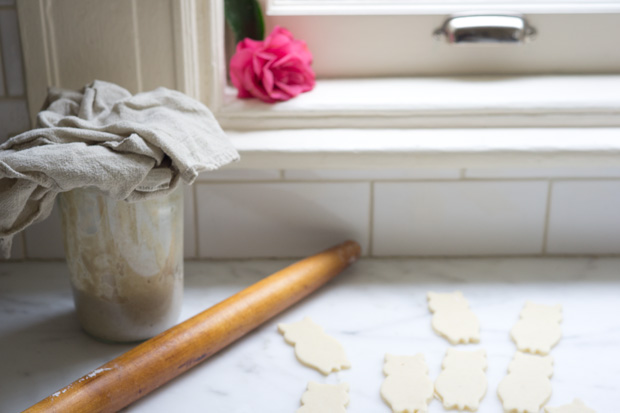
{"x": 280, "y": 95}
{"x": 281, "y": 30}
{"x": 237, "y": 65}
{"x": 283, "y": 60}
{"x": 249, "y": 44}
{"x": 252, "y": 84}
{"x": 257, "y": 64}
{"x": 278, "y": 32}
{"x": 291, "y": 90}
{"x": 267, "y": 77}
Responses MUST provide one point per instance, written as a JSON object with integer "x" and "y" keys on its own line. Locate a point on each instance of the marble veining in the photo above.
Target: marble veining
{"x": 377, "y": 306}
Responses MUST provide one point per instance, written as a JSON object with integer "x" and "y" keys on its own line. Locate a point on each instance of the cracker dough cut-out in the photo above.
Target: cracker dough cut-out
{"x": 526, "y": 387}
{"x": 462, "y": 383}
{"x": 325, "y": 398}
{"x": 538, "y": 330}
{"x": 577, "y": 406}
{"x": 452, "y": 318}
{"x": 407, "y": 387}
{"x": 313, "y": 347}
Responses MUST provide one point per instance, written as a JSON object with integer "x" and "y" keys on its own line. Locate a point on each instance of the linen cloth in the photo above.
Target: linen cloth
{"x": 129, "y": 147}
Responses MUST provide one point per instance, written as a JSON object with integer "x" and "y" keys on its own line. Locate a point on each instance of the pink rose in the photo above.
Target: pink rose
{"x": 276, "y": 69}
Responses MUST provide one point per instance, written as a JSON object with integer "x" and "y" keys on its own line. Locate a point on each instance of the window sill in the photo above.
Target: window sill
{"x": 413, "y": 148}
{"x": 463, "y": 102}
{"x": 433, "y": 122}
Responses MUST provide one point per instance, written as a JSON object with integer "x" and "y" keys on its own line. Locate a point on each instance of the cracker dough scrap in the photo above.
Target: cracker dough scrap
{"x": 313, "y": 347}
{"x": 452, "y": 318}
{"x": 577, "y": 406}
{"x": 538, "y": 329}
{"x": 407, "y": 387}
{"x": 527, "y": 387}
{"x": 325, "y": 398}
{"x": 462, "y": 383}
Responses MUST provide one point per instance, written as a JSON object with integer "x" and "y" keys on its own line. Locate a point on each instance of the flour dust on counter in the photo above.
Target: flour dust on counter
{"x": 377, "y": 306}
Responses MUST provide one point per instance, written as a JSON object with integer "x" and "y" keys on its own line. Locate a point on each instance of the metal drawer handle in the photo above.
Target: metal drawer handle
{"x": 485, "y": 29}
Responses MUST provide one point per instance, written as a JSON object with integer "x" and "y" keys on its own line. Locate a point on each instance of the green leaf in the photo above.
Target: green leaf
{"x": 245, "y": 18}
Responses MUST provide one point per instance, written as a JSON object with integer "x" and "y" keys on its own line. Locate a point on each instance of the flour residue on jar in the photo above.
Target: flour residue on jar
{"x": 125, "y": 261}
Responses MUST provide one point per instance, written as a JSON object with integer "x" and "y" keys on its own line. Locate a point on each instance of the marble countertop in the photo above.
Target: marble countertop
{"x": 376, "y": 306}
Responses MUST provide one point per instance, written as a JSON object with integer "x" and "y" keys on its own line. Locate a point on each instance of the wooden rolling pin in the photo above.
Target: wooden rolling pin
{"x": 141, "y": 370}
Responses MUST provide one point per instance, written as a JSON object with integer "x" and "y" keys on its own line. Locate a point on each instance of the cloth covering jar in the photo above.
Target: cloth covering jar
{"x": 125, "y": 262}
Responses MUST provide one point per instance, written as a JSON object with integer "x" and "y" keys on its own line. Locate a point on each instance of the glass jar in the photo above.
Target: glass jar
{"x": 125, "y": 262}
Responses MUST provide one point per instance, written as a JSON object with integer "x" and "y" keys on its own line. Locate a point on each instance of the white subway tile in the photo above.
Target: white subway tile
{"x": 44, "y": 239}
{"x": 280, "y": 219}
{"x": 11, "y": 53}
{"x": 372, "y": 174}
{"x": 13, "y": 118}
{"x": 584, "y": 218}
{"x": 555, "y": 172}
{"x": 189, "y": 224}
{"x": 459, "y": 218}
{"x": 241, "y": 175}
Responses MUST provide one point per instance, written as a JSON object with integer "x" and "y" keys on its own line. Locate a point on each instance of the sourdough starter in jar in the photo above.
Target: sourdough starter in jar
{"x": 125, "y": 262}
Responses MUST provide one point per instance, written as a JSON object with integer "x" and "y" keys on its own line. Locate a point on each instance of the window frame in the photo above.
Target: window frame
{"x": 425, "y": 7}
{"x": 369, "y": 38}
{"x": 325, "y": 107}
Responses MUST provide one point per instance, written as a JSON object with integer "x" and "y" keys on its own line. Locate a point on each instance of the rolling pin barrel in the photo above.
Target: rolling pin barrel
{"x": 141, "y": 370}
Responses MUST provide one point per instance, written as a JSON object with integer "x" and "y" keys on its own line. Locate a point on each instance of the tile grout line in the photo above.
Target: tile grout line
{"x": 545, "y": 178}
{"x": 196, "y": 226}
{"x": 396, "y": 181}
{"x": 394, "y": 257}
{"x": 371, "y": 219}
{"x": 547, "y": 216}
